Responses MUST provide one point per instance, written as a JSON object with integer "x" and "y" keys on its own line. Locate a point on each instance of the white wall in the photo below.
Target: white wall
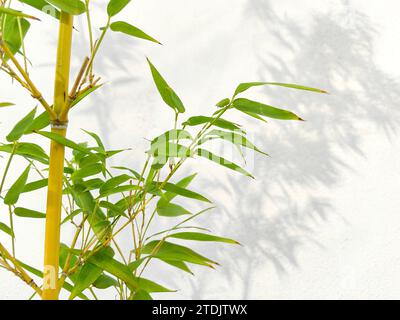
{"x": 322, "y": 219}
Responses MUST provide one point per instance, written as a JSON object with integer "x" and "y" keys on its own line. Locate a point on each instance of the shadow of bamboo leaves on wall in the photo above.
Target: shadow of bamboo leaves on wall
{"x": 335, "y": 53}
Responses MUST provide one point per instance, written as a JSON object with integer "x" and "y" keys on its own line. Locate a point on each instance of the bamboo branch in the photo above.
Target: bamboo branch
{"x": 34, "y": 91}
{"x": 74, "y": 91}
{"x": 18, "y": 270}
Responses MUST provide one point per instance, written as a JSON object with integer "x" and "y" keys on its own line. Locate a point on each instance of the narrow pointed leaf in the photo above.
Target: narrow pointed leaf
{"x": 16, "y": 13}
{"x": 40, "y": 122}
{"x": 223, "y": 103}
{"x": 236, "y": 139}
{"x": 115, "y": 6}
{"x": 14, "y": 32}
{"x": 171, "y": 210}
{"x": 88, "y": 274}
{"x": 113, "y": 183}
{"x": 83, "y": 95}
{"x": 124, "y": 27}
{"x": 166, "y": 92}
{"x": 175, "y": 252}
{"x": 245, "y": 86}
{"x": 88, "y": 171}
{"x": 197, "y": 236}
{"x": 16, "y": 189}
{"x": 43, "y": 6}
{"x": 106, "y": 262}
{"x": 172, "y": 135}
{"x": 221, "y": 123}
{"x": 178, "y": 264}
{"x": 169, "y": 196}
{"x": 105, "y": 282}
{"x": 27, "y": 213}
{"x": 6, "y": 104}
{"x": 73, "y": 7}
{"x": 170, "y": 187}
{"x": 35, "y": 185}
{"x": 28, "y": 150}
{"x": 64, "y": 141}
{"x": 6, "y": 229}
{"x": 142, "y": 295}
{"x": 20, "y": 128}
{"x": 223, "y": 162}
{"x": 246, "y": 105}
{"x": 96, "y": 138}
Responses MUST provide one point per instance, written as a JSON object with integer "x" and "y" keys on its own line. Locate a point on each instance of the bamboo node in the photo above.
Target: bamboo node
{"x": 58, "y": 124}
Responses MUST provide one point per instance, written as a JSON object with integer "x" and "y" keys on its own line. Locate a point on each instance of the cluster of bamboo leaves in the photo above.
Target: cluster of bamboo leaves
{"x": 102, "y": 202}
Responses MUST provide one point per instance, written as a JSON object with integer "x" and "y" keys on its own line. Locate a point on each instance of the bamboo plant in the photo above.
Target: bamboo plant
{"x": 101, "y": 202}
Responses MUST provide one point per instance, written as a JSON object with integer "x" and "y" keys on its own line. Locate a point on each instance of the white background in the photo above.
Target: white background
{"x": 322, "y": 219}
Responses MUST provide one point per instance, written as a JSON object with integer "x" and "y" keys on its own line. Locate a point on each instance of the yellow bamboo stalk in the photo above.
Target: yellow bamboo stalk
{"x": 56, "y": 166}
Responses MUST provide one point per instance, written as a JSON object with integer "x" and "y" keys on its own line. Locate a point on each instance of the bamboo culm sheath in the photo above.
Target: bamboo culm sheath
{"x": 56, "y": 166}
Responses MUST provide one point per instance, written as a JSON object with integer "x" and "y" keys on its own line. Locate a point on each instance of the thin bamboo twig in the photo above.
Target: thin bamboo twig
{"x": 19, "y": 271}
{"x": 34, "y": 91}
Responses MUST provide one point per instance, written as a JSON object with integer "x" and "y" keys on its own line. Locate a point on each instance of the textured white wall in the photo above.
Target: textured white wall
{"x": 322, "y": 219}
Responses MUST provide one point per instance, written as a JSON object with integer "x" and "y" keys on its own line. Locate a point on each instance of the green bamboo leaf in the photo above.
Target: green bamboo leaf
{"x": 64, "y": 141}
{"x": 16, "y": 189}
{"x": 142, "y": 295}
{"x": 96, "y": 138}
{"x": 169, "y": 149}
{"x": 87, "y": 171}
{"x": 246, "y": 105}
{"x": 6, "y": 104}
{"x": 21, "y": 127}
{"x": 40, "y": 122}
{"x": 245, "y": 86}
{"x": 170, "y": 187}
{"x": 113, "y": 183}
{"x": 105, "y": 282}
{"x": 43, "y": 6}
{"x": 221, "y": 161}
{"x": 15, "y": 30}
{"x": 28, "y": 150}
{"x": 91, "y": 159}
{"x": 223, "y": 103}
{"x": 172, "y": 135}
{"x": 178, "y": 264}
{"x": 83, "y": 95}
{"x": 255, "y": 116}
{"x": 169, "y": 196}
{"x": 166, "y": 92}
{"x": 27, "y": 213}
{"x": 174, "y": 252}
{"x": 6, "y": 229}
{"x": 124, "y": 27}
{"x": 135, "y": 173}
{"x": 105, "y": 261}
{"x": 92, "y": 184}
{"x": 96, "y": 217}
{"x": 115, "y": 6}
{"x": 221, "y": 123}
{"x": 236, "y": 139}
{"x": 197, "y": 236}
{"x": 73, "y": 7}
{"x": 35, "y": 185}
{"x": 171, "y": 210}
{"x": 113, "y": 210}
{"x": 88, "y": 274}
{"x": 119, "y": 189}
{"x": 16, "y": 13}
